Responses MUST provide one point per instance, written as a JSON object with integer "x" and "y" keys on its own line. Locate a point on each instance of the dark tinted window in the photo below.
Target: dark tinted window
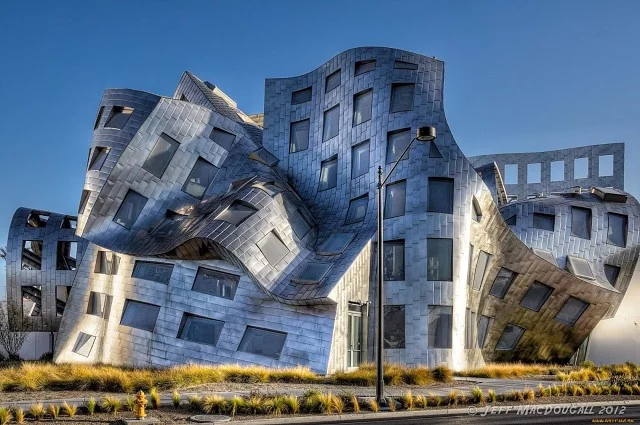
{"x": 544, "y": 221}
{"x": 357, "y": 209}
{"x": 571, "y": 311}
{"x": 223, "y": 138}
{"x": 299, "y": 136}
{"x": 402, "y": 97}
{"x": 396, "y": 198}
{"x": 118, "y": 117}
{"x": 200, "y": 329}
{"x": 200, "y": 178}
{"x": 216, "y": 283}
{"x": 510, "y": 337}
{"x": 536, "y": 296}
{"x": 617, "y": 233}
{"x": 611, "y": 273}
{"x": 156, "y": 272}
{"x": 332, "y": 81}
{"x": 360, "y": 159}
{"x": 161, "y": 155}
{"x": 130, "y": 209}
{"x": 365, "y": 66}
{"x": 263, "y": 342}
{"x": 394, "y": 326}
{"x": 439, "y": 326}
{"x": 100, "y": 154}
{"x": 301, "y": 96}
{"x": 140, "y": 315}
{"x": 405, "y": 65}
{"x": 440, "y": 195}
{"x": 581, "y": 222}
{"x": 394, "y": 260}
{"x": 502, "y": 282}
{"x": 439, "y": 259}
{"x": 362, "y": 103}
{"x": 328, "y": 174}
{"x": 397, "y": 142}
{"x": 237, "y": 212}
{"x": 331, "y": 123}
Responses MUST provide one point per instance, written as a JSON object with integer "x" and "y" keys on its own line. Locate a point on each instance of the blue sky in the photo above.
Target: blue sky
{"x": 519, "y": 75}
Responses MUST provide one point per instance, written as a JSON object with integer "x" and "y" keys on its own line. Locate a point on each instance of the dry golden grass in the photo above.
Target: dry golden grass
{"x": 511, "y": 370}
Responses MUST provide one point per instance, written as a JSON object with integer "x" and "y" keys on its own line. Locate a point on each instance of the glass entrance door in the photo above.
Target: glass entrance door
{"x": 354, "y": 338}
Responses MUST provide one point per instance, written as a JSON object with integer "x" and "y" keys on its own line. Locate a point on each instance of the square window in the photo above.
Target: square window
{"x": 263, "y": 342}
{"x": 83, "y": 201}
{"x": 69, "y": 223}
{"x": 300, "y": 225}
{"x": 84, "y": 344}
{"x": 393, "y": 260}
{"x": 510, "y": 337}
{"x": 332, "y": 81}
{"x": 328, "y": 173}
{"x": 440, "y": 326}
{"x": 362, "y": 103}
{"x": 611, "y": 273}
{"x": 395, "y": 199}
{"x": 335, "y": 244}
{"x": 605, "y": 165}
{"x": 37, "y": 219}
{"x": 536, "y": 296}
{"x": 440, "y": 195}
{"x": 481, "y": 268}
{"x": 397, "y": 142}
{"x": 107, "y": 263}
{"x": 581, "y": 222}
{"x": 200, "y": 177}
{"x": 617, "y": 233}
{"x": 544, "y": 221}
{"x": 534, "y": 173}
{"x": 118, "y": 117}
{"x": 331, "y": 123}
{"x": 394, "y": 326}
{"x": 67, "y": 255}
{"x": 579, "y": 267}
{"x": 313, "y": 273}
{"x": 405, "y": 65}
{"x": 237, "y": 212}
{"x": 511, "y": 173}
{"x": 153, "y": 271}
{"x": 364, "y": 66}
{"x": 557, "y": 171}
{"x": 31, "y": 301}
{"x": 98, "y": 117}
{"x": 32, "y": 255}
{"x": 571, "y": 311}
{"x": 216, "y": 283}
{"x": 130, "y": 209}
{"x": 402, "y": 97}
{"x": 272, "y": 248}
{"x": 299, "y": 136}
{"x": 99, "y": 305}
{"x": 484, "y": 323}
{"x": 581, "y": 168}
{"x": 161, "y": 155}
{"x": 360, "y": 159}
{"x": 301, "y": 96}
{"x": 439, "y": 259}
{"x": 357, "y": 209}
{"x": 200, "y": 329}
{"x": 100, "y": 154}
{"x": 503, "y": 281}
{"x": 140, "y": 315}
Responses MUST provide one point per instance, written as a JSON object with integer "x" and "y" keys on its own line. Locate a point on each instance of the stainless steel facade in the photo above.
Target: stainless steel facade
{"x": 266, "y": 232}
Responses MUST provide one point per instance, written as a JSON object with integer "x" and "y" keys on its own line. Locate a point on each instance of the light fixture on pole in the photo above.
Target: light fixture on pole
{"x": 423, "y": 134}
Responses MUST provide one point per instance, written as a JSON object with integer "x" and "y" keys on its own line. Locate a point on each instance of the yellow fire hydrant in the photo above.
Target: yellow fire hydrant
{"x": 141, "y": 403}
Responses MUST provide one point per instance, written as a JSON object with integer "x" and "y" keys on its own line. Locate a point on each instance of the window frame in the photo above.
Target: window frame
{"x": 394, "y": 96}
{"x": 292, "y": 138}
{"x": 357, "y": 99}
{"x": 354, "y": 203}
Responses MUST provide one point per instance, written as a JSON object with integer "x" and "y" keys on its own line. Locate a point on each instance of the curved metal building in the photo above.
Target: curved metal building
{"x": 207, "y": 235}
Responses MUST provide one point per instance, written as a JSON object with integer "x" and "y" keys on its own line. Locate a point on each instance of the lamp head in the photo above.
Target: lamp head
{"x": 426, "y": 134}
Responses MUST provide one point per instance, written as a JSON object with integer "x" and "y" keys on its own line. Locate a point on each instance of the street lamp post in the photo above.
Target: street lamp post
{"x": 424, "y": 134}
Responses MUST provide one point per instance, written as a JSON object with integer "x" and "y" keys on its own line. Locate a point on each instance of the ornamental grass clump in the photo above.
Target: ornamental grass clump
{"x": 5, "y": 416}
{"x": 420, "y": 402}
{"x": 176, "y": 399}
{"x": 91, "y": 406}
{"x": 54, "y": 411}
{"x": 69, "y": 409}
{"x": 130, "y": 402}
{"x": 434, "y": 400}
{"x": 453, "y": 398}
{"x": 236, "y": 405}
{"x": 373, "y": 405}
{"x": 407, "y": 400}
{"x": 213, "y": 404}
{"x": 391, "y": 404}
{"x": 37, "y": 411}
{"x": 255, "y": 405}
{"x": 154, "y": 398}
{"x": 19, "y": 415}
{"x": 111, "y": 404}
{"x": 529, "y": 394}
{"x": 477, "y": 396}
{"x": 195, "y": 403}
{"x": 293, "y": 404}
{"x": 491, "y": 396}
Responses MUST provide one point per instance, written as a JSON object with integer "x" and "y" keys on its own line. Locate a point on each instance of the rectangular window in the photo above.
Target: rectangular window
{"x": 511, "y": 173}
{"x": 605, "y": 165}
{"x": 483, "y": 329}
{"x": 332, "y": 81}
{"x": 272, "y": 248}
{"x": 617, "y": 233}
{"x": 313, "y": 273}
{"x": 397, "y": 142}
{"x": 200, "y": 178}
{"x": 98, "y": 117}
{"x": 481, "y": 269}
{"x": 31, "y": 301}
{"x": 37, "y": 219}
{"x": 161, "y": 155}
{"x": 216, "y": 283}
{"x": 84, "y": 344}
{"x": 476, "y": 211}
{"x": 263, "y": 342}
{"x": 581, "y": 168}
{"x": 440, "y": 195}
{"x": 394, "y": 260}
{"x": 100, "y": 154}
{"x": 440, "y": 325}
{"x": 510, "y": 337}
{"x": 544, "y": 221}
{"x": 328, "y": 173}
{"x": 579, "y": 267}
{"x": 612, "y": 273}
{"x": 118, "y": 117}
{"x": 331, "y": 123}
{"x": 83, "y": 201}
{"x": 360, "y": 159}
{"x": 99, "y": 305}
{"x": 439, "y": 259}
{"x": 155, "y": 272}
{"x": 140, "y": 315}
{"x": 200, "y": 329}
{"x": 62, "y": 296}
{"x": 571, "y": 311}
{"x": 107, "y": 263}
{"x": 405, "y": 65}
{"x": 67, "y": 255}
{"x": 357, "y": 209}
{"x": 237, "y": 212}
{"x": 362, "y": 103}
{"x": 32, "y": 255}
{"x": 536, "y": 296}
{"x": 469, "y": 274}
{"x": 69, "y": 223}
{"x": 581, "y": 222}
{"x": 130, "y": 209}
{"x": 299, "y": 136}
{"x": 395, "y": 199}
{"x": 394, "y": 326}
{"x": 222, "y": 138}
{"x": 335, "y": 244}
{"x": 402, "y": 97}
{"x": 300, "y": 225}
{"x": 468, "y": 334}
{"x": 502, "y": 282}
{"x": 364, "y": 66}
{"x": 534, "y": 173}
{"x": 170, "y": 222}
{"x": 301, "y": 96}
{"x": 557, "y": 171}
